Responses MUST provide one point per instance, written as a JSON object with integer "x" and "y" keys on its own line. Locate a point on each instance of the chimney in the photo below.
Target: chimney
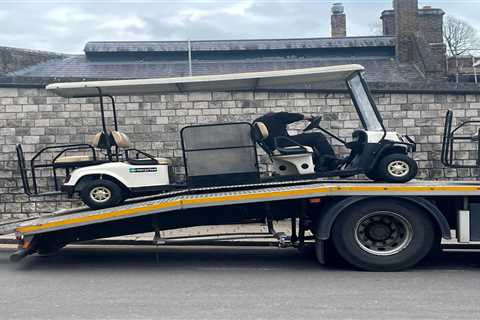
{"x": 406, "y": 13}
{"x": 430, "y": 24}
{"x": 339, "y": 21}
{"x": 388, "y": 21}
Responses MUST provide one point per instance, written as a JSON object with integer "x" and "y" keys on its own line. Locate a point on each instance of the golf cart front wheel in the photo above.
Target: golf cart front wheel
{"x": 396, "y": 168}
{"x": 101, "y": 193}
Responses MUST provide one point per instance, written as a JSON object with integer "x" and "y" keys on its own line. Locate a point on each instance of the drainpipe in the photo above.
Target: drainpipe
{"x": 190, "y": 72}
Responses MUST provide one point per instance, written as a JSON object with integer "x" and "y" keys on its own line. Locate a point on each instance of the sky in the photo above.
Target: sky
{"x": 66, "y": 25}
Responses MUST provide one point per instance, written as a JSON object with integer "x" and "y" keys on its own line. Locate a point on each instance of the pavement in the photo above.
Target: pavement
{"x": 230, "y": 283}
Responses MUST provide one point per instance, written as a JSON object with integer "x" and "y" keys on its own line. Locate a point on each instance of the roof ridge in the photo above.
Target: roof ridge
{"x": 241, "y": 40}
{"x": 238, "y": 45}
{"x": 33, "y": 51}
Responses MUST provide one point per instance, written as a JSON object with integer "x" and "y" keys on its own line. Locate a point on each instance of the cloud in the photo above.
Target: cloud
{"x": 68, "y": 15}
{"x": 239, "y": 9}
{"x": 209, "y": 15}
{"x": 65, "y": 26}
{"x": 122, "y": 23}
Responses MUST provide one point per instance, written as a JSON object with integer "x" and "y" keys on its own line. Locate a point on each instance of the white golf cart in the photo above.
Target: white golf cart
{"x": 112, "y": 171}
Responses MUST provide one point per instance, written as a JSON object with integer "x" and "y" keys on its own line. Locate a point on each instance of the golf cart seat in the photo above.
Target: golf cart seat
{"x": 123, "y": 142}
{"x": 81, "y": 160}
{"x": 292, "y": 160}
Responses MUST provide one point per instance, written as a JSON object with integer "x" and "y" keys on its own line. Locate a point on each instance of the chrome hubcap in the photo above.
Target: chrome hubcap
{"x": 398, "y": 168}
{"x": 100, "y": 194}
{"x": 383, "y": 233}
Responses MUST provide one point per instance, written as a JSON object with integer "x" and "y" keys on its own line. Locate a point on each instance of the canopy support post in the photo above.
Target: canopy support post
{"x": 104, "y": 125}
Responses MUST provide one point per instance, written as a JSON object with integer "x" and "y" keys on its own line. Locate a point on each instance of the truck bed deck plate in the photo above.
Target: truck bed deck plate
{"x": 209, "y": 197}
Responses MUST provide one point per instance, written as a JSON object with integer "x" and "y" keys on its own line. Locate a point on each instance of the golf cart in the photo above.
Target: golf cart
{"x": 381, "y": 155}
{"x": 104, "y": 172}
{"x": 109, "y": 170}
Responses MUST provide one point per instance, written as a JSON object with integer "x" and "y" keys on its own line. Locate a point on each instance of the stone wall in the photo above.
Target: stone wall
{"x": 37, "y": 118}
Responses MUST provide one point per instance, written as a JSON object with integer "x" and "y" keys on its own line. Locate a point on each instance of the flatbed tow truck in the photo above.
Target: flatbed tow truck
{"x": 376, "y": 226}
{"x": 405, "y": 222}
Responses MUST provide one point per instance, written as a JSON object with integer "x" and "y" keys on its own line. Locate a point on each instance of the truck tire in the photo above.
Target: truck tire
{"x": 383, "y": 235}
{"x": 101, "y": 193}
{"x": 396, "y": 168}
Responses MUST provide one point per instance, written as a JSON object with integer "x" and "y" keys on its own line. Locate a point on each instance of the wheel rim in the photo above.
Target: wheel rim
{"x": 398, "y": 168}
{"x": 383, "y": 233}
{"x": 100, "y": 194}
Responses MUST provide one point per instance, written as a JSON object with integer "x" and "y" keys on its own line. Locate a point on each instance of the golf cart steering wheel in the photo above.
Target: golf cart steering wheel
{"x": 314, "y": 124}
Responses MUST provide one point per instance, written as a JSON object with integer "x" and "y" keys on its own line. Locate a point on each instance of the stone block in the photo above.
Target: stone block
{"x": 219, "y": 96}
{"x": 30, "y": 108}
{"x": 200, "y": 96}
{"x": 399, "y": 98}
{"x": 8, "y": 92}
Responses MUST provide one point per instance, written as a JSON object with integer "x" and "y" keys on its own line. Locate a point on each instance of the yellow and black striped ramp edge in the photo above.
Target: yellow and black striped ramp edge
{"x": 80, "y": 217}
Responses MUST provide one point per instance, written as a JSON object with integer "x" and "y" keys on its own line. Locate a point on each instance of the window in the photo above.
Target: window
{"x": 365, "y": 108}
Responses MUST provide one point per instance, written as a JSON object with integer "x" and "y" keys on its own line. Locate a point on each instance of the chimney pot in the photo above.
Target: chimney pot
{"x": 338, "y": 8}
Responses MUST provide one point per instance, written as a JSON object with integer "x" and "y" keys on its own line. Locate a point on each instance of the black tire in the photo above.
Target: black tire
{"x": 383, "y": 235}
{"x": 114, "y": 197}
{"x": 396, "y": 168}
{"x": 327, "y": 255}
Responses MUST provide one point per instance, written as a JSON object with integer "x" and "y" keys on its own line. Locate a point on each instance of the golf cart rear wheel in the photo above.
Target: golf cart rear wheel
{"x": 396, "y": 168}
{"x": 101, "y": 193}
{"x": 383, "y": 235}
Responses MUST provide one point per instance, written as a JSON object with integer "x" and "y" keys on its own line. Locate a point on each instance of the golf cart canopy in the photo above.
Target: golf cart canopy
{"x": 227, "y": 82}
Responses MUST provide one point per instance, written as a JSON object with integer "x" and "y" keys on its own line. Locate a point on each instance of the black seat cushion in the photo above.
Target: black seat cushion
{"x": 143, "y": 162}
{"x": 289, "y": 151}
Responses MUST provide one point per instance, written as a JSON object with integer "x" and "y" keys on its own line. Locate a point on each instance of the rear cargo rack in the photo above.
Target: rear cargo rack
{"x": 32, "y": 190}
{"x": 450, "y": 137}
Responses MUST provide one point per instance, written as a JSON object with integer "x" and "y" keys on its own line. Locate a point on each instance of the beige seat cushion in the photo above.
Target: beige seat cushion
{"x": 262, "y": 128}
{"x": 71, "y": 159}
{"x": 121, "y": 139}
{"x": 164, "y": 161}
{"x": 96, "y": 139}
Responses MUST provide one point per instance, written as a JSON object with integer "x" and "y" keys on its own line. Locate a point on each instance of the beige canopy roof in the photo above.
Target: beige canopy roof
{"x": 225, "y": 82}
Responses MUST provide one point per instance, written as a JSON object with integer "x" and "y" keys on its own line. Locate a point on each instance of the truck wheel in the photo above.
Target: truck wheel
{"x": 397, "y": 168}
{"x": 101, "y": 193}
{"x": 383, "y": 235}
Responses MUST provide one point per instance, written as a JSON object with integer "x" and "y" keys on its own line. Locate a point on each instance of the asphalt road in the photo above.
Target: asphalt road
{"x": 230, "y": 283}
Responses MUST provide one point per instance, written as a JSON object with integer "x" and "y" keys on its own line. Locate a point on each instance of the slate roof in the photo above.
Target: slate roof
{"x": 130, "y": 60}
{"x": 238, "y": 45}
{"x": 379, "y": 69}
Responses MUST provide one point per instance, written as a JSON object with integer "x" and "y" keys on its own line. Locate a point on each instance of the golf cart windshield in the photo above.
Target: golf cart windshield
{"x": 367, "y": 110}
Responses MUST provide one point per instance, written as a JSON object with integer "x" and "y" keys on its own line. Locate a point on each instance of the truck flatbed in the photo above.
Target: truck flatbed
{"x": 397, "y": 222}
{"x": 80, "y": 217}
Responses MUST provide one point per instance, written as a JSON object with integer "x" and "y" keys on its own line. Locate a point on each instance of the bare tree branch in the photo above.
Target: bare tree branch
{"x": 459, "y": 36}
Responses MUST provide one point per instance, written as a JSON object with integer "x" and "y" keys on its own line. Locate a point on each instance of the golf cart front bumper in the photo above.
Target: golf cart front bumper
{"x": 410, "y": 143}
{"x": 69, "y": 190}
